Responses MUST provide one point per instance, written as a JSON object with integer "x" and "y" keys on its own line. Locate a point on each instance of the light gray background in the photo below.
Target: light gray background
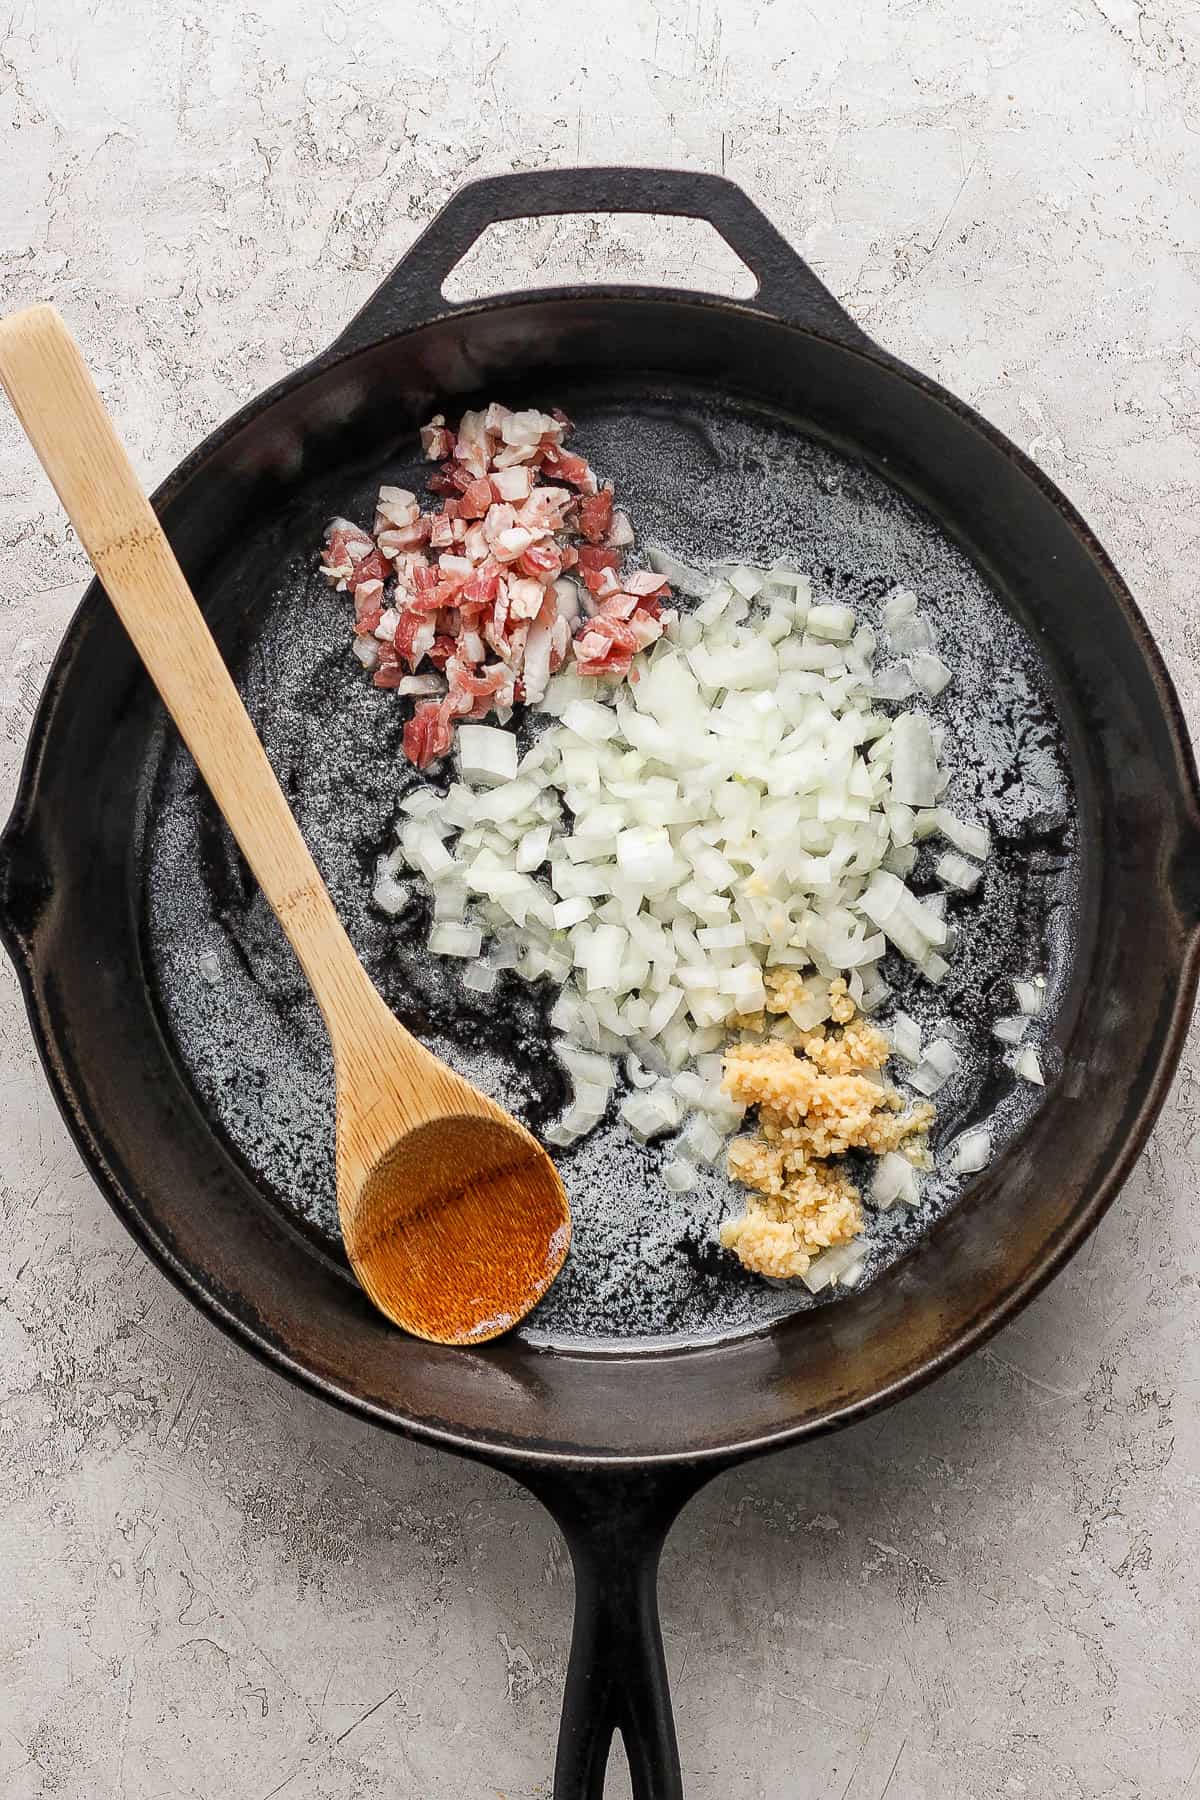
{"x": 210, "y": 1585}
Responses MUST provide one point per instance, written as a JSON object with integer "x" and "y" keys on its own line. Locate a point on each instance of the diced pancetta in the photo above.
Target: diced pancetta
{"x": 479, "y": 616}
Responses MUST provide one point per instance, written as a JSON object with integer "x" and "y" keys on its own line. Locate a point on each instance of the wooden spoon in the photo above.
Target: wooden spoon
{"x": 453, "y": 1216}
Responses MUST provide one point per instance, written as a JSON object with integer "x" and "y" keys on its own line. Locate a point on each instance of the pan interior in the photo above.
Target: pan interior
{"x": 708, "y": 479}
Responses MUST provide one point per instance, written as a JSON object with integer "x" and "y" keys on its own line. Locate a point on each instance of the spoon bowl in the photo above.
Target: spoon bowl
{"x": 463, "y": 1206}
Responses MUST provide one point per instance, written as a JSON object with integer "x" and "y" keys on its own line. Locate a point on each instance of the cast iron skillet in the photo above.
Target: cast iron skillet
{"x": 614, "y": 1445}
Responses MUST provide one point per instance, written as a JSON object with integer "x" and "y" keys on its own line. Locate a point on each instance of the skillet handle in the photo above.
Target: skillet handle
{"x": 615, "y": 1523}
{"x": 787, "y": 287}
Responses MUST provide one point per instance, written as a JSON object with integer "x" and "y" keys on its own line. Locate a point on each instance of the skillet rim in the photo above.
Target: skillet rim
{"x": 495, "y": 1447}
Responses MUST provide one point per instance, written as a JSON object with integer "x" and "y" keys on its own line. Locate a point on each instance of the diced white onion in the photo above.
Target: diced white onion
{"x": 954, "y": 871}
{"x": 388, "y": 894}
{"x": 702, "y": 1138}
{"x": 915, "y": 774}
{"x": 935, "y": 1068}
{"x": 651, "y": 1114}
{"x": 456, "y": 940}
{"x": 931, "y": 674}
{"x": 481, "y": 977}
{"x": 906, "y": 1038}
{"x": 971, "y": 1152}
{"x": 901, "y": 603}
{"x": 487, "y": 755}
{"x": 832, "y": 624}
{"x": 894, "y": 1179}
{"x": 744, "y": 804}
{"x": 1030, "y": 996}
{"x": 1012, "y": 1029}
{"x": 972, "y": 840}
{"x": 1028, "y": 1066}
{"x": 912, "y": 636}
{"x": 839, "y": 1267}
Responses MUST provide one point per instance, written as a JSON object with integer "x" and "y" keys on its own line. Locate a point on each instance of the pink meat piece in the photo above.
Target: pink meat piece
{"x": 471, "y": 447}
{"x": 646, "y": 583}
{"x": 436, "y": 441}
{"x": 544, "y": 509}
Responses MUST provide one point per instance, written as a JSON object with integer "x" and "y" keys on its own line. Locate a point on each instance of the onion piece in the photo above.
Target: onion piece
{"x": 636, "y": 1073}
{"x": 931, "y": 674}
{"x": 972, "y": 840}
{"x": 456, "y": 940}
{"x": 702, "y": 1139}
{"x": 1031, "y": 996}
{"x": 954, "y": 871}
{"x": 481, "y": 977}
{"x": 1027, "y": 1064}
{"x": 906, "y": 1038}
{"x": 971, "y": 1152}
{"x": 894, "y": 1179}
{"x": 651, "y": 1114}
{"x": 487, "y": 755}
{"x": 937, "y": 1065}
{"x": 915, "y": 775}
{"x": 1012, "y": 1029}
{"x": 693, "y": 582}
{"x": 832, "y": 624}
{"x": 840, "y": 1266}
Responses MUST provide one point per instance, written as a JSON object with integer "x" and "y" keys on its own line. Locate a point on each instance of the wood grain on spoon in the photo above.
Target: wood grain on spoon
{"x": 453, "y": 1216}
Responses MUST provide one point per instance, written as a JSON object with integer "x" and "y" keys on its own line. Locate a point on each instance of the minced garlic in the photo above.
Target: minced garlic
{"x": 818, "y": 1095}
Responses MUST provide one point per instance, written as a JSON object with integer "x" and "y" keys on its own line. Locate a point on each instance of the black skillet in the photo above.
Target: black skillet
{"x": 613, "y": 1445}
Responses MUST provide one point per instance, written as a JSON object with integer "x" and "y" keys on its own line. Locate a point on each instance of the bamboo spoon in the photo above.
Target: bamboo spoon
{"x": 453, "y": 1216}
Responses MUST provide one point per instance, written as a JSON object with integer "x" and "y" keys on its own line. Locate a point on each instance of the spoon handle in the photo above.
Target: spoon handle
{"x": 66, "y": 421}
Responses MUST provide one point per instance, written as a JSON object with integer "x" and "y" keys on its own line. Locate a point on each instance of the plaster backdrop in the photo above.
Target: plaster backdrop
{"x": 214, "y": 1587}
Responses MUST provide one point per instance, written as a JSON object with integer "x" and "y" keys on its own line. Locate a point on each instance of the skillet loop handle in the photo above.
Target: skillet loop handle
{"x": 787, "y": 287}
{"x": 615, "y": 1525}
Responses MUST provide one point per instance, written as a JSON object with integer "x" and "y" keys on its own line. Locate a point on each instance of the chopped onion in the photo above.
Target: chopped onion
{"x": 702, "y": 1138}
{"x": 935, "y": 1068}
{"x": 680, "y": 1175}
{"x": 931, "y": 674}
{"x": 689, "y": 581}
{"x": 481, "y": 977}
{"x": 901, "y": 603}
{"x": 911, "y": 636}
{"x": 744, "y": 581}
{"x": 456, "y": 940}
{"x": 840, "y": 1266}
{"x": 636, "y": 1073}
{"x": 1031, "y": 996}
{"x": 1027, "y": 1065}
{"x": 487, "y": 755}
{"x": 650, "y": 1115}
{"x": 954, "y": 871}
{"x": 893, "y": 683}
{"x": 388, "y": 894}
{"x": 1012, "y": 1029}
{"x": 915, "y": 775}
{"x": 972, "y": 840}
{"x": 832, "y": 624}
{"x": 894, "y": 1179}
{"x": 971, "y": 1152}
{"x": 906, "y": 1038}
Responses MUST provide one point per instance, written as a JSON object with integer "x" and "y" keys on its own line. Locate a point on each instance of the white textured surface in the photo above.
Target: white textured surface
{"x": 215, "y": 1587}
